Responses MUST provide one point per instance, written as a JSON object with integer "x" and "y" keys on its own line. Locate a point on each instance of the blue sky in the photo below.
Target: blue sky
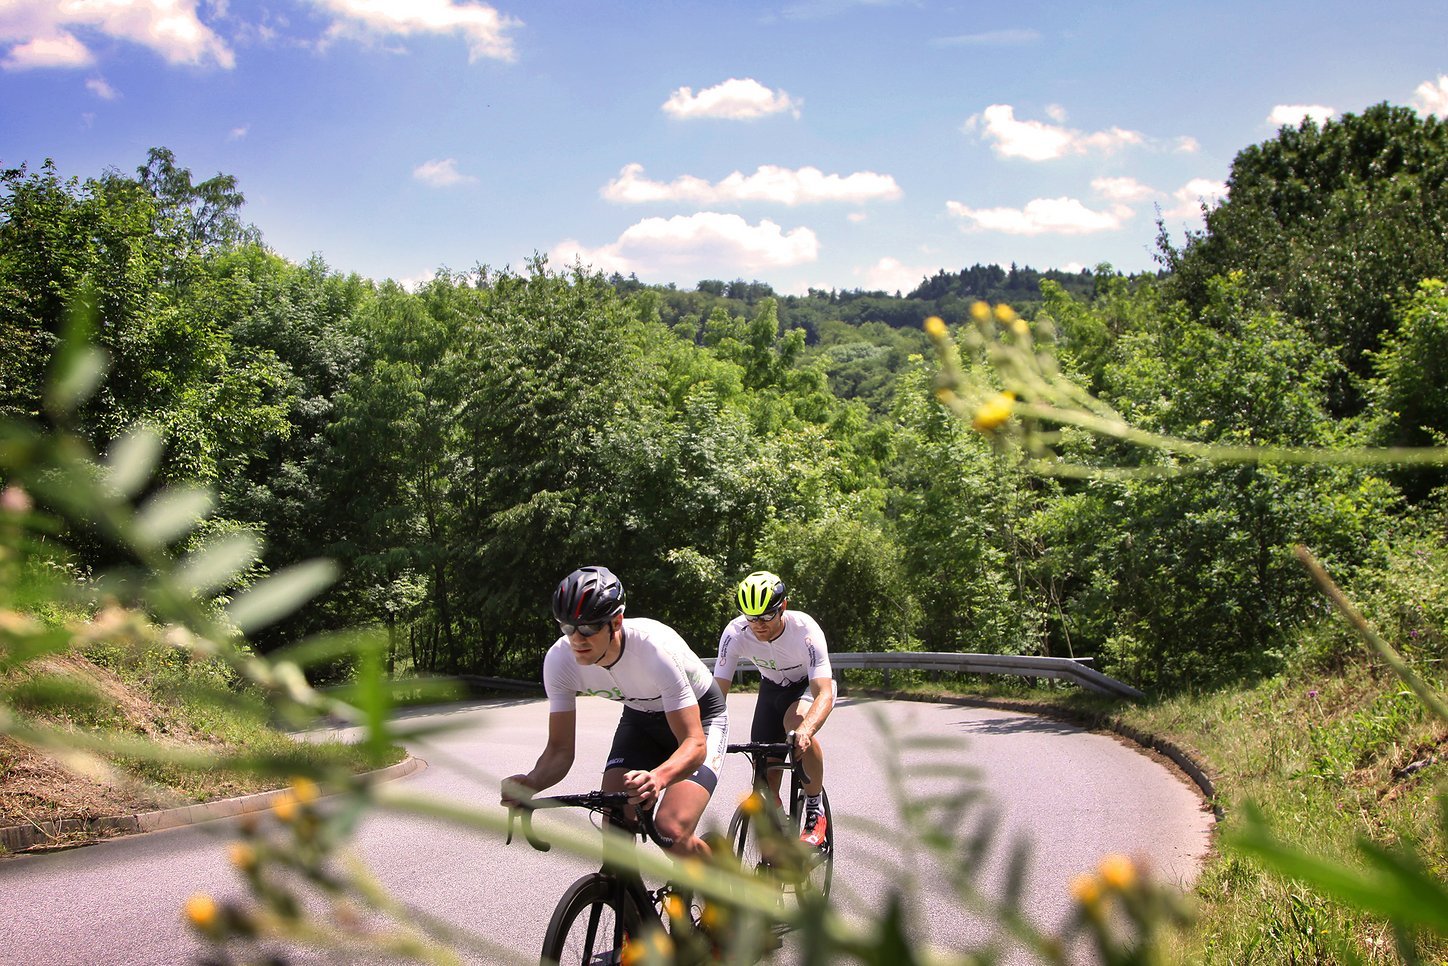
{"x": 833, "y": 144}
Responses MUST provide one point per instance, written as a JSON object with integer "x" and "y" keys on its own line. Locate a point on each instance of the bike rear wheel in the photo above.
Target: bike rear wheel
{"x": 588, "y": 928}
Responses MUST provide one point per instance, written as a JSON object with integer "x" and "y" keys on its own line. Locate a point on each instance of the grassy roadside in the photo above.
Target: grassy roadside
{"x": 215, "y": 740}
{"x": 1326, "y": 757}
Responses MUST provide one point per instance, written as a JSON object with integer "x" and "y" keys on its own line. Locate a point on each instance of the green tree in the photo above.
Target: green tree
{"x": 1330, "y": 225}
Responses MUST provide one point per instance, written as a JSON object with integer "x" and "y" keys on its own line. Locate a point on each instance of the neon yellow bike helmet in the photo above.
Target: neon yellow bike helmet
{"x": 761, "y": 591}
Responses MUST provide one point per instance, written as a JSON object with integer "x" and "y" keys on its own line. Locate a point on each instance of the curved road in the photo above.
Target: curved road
{"x": 1072, "y": 796}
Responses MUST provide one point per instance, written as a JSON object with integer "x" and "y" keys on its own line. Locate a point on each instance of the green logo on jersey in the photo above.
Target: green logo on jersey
{"x": 613, "y": 694}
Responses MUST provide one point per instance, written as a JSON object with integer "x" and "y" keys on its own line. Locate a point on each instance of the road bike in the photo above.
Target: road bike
{"x": 604, "y": 913}
{"x": 765, "y": 834}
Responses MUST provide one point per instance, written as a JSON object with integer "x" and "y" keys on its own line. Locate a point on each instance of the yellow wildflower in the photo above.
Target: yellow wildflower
{"x": 674, "y": 906}
{"x": 243, "y": 856}
{"x": 994, "y": 412}
{"x": 305, "y": 789}
{"x": 284, "y": 806}
{"x": 662, "y": 942}
{"x": 1005, "y": 314}
{"x": 1118, "y": 872}
{"x": 753, "y": 803}
{"x": 980, "y": 311}
{"x": 935, "y": 327}
{"x": 693, "y": 871}
{"x": 1086, "y": 890}
{"x": 201, "y": 911}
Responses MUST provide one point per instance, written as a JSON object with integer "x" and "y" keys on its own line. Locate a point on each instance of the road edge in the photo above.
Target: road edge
{"x": 75, "y": 832}
{"x": 1190, "y": 767}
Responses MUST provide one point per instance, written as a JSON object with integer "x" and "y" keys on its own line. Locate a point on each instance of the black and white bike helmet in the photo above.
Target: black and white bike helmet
{"x": 589, "y": 595}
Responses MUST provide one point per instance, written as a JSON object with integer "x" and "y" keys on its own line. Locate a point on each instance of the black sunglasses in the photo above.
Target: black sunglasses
{"x": 587, "y": 630}
{"x": 768, "y": 615}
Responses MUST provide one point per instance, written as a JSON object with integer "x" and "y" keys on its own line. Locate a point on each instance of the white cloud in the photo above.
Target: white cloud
{"x": 41, "y": 31}
{"x": 1191, "y": 196}
{"x": 1122, "y": 189}
{"x": 238, "y": 132}
{"x": 441, "y": 174}
{"x": 890, "y": 275}
{"x": 707, "y": 242}
{"x": 735, "y": 100}
{"x": 101, "y": 89}
{"x": 856, "y": 217}
{"x": 768, "y": 183}
{"x": 1291, "y": 115}
{"x": 1187, "y": 144}
{"x": 1432, "y": 97}
{"x": 1038, "y": 141}
{"x": 55, "y": 50}
{"x": 1042, "y": 216}
{"x": 990, "y": 38}
{"x": 482, "y": 26}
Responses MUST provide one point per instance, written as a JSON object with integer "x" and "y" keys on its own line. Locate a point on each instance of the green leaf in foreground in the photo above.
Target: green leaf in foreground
{"x": 1394, "y": 885}
{"x": 281, "y": 594}
{"x": 217, "y": 564}
{"x": 132, "y": 460}
{"x": 169, "y": 514}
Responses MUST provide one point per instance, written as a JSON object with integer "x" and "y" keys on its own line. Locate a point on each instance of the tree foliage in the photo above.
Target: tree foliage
{"x": 458, "y": 446}
{"x": 1331, "y": 225}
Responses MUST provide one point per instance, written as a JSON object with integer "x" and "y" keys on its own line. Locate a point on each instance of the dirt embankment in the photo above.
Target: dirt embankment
{"x": 40, "y": 785}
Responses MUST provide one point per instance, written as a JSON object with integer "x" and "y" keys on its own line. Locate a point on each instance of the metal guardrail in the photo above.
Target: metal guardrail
{"x": 1074, "y": 670}
{"x": 1064, "y": 668}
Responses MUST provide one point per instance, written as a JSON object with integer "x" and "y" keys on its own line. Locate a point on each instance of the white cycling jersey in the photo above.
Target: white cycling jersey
{"x": 656, "y": 671}
{"x": 798, "y": 653}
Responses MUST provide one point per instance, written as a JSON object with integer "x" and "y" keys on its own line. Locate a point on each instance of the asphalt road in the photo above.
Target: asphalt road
{"x": 1068, "y": 795}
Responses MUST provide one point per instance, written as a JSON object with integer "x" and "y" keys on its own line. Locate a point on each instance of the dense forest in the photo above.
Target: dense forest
{"x": 458, "y": 447}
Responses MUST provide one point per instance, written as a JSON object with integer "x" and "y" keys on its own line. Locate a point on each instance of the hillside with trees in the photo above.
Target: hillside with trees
{"x": 456, "y": 447}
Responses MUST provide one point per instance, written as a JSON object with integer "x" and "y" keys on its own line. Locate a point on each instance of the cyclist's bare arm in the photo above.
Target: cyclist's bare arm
{"x": 724, "y": 685}
{"x": 823, "y": 690}
{"x": 557, "y": 758}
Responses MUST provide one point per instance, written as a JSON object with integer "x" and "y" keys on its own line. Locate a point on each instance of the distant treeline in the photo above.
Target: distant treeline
{"x": 945, "y": 294}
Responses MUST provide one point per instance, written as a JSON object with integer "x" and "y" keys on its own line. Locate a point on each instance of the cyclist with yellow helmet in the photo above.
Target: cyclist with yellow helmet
{"x": 796, "y": 686}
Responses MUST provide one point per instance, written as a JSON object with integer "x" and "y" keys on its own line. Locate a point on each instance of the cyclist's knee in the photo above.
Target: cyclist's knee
{"x": 676, "y": 827}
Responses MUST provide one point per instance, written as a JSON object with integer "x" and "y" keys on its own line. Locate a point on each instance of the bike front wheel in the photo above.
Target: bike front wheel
{"x": 753, "y": 836}
{"x": 588, "y": 928}
{"x": 820, "y": 863}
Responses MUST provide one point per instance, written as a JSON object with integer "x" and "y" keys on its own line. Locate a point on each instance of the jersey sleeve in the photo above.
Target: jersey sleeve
{"x": 728, "y": 658}
{"x": 675, "y": 688}
{"x": 560, "y": 678}
{"x": 819, "y": 651}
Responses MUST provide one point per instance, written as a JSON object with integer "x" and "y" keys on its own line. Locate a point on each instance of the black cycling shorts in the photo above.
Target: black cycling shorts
{"x": 644, "y": 740}
{"x": 774, "y": 701}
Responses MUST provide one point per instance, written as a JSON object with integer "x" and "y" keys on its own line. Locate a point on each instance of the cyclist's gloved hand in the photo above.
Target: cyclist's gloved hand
{"x": 642, "y": 787}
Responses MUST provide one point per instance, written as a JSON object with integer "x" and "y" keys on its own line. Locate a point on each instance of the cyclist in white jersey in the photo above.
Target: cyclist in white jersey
{"x": 674, "y": 726}
{"x": 796, "y": 684}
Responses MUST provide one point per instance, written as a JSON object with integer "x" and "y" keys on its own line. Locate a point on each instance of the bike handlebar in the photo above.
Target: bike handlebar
{"x": 606, "y": 803}
{"x": 769, "y": 749}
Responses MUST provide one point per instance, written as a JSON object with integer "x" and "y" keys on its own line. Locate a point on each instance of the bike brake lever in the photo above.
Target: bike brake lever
{"x": 533, "y": 839}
